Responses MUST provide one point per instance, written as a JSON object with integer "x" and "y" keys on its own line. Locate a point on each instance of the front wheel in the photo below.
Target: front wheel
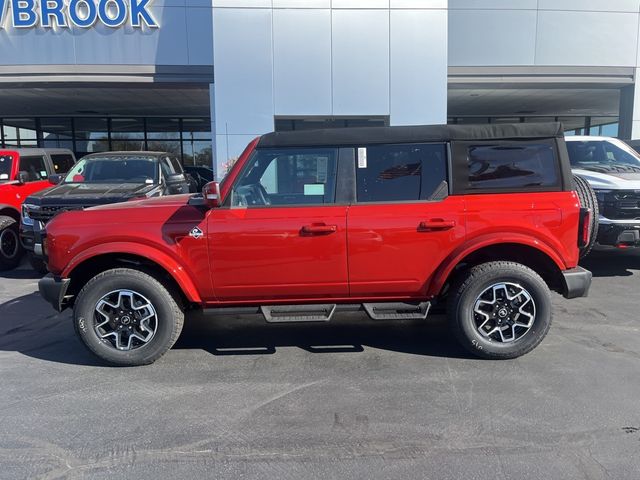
{"x": 500, "y": 310}
{"x": 127, "y": 317}
{"x": 10, "y": 247}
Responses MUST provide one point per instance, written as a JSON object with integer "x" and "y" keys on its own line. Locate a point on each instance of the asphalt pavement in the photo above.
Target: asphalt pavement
{"x": 352, "y": 399}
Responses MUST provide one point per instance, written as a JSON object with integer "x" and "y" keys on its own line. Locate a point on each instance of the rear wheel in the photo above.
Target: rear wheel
{"x": 500, "y": 310}
{"x": 10, "y": 247}
{"x": 127, "y": 317}
{"x": 588, "y": 199}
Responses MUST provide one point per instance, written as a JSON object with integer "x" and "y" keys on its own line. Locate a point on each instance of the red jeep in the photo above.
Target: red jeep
{"x": 22, "y": 173}
{"x": 389, "y": 220}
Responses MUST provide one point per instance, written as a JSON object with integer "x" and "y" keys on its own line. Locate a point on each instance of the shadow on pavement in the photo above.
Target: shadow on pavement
{"x": 349, "y": 333}
{"x": 28, "y": 325}
{"x": 612, "y": 262}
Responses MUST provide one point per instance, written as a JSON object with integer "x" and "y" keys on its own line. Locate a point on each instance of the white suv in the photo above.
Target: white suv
{"x": 612, "y": 168}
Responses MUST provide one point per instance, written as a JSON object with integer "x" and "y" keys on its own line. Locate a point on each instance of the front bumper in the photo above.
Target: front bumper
{"x": 32, "y": 238}
{"x": 54, "y": 289}
{"x": 576, "y": 282}
{"x": 619, "y": 234}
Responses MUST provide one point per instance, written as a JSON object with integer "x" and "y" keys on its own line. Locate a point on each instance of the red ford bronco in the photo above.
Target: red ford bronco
{"x": 389, "y": 220}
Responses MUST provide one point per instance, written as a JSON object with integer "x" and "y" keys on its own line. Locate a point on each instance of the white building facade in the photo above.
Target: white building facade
{"x": 209, "y": 77}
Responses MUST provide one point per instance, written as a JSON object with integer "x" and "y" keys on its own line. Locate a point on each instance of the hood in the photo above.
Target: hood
{"x": 155, "y": 202}
{"x": 611, "y": 178}
{"x": 88, "y": 194}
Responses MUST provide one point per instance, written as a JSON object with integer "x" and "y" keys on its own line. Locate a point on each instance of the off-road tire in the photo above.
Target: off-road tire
{"x": 37, "y": 264}
{"x": 467, "y": 289}
{"x": 588, "y": 199}
{"x": 170, "y": 316}
{"x": 9, "y": 227}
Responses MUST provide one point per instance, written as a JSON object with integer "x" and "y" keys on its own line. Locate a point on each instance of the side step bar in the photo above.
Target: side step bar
{"x": 325, "y": 312}
{"x": 397, "y": 311}
{"x": 298, "y": 313}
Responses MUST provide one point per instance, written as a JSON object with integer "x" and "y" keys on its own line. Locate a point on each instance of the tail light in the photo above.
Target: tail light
{"x": 584, "y": 228}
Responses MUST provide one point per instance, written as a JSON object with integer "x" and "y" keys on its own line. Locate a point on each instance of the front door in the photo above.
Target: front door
{"x": 403, "y": 223}
{"x": 280, "y": 235}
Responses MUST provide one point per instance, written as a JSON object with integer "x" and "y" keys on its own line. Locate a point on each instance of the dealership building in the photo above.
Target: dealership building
{"x": 203, "y": 77}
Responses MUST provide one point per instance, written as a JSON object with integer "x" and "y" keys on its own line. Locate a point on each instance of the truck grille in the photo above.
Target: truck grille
{"x": 46, "y": 213}
{"x": 621, "y": 205}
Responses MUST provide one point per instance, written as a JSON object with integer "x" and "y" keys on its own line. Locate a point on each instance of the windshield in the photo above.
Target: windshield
{"x": 598, "y": 154}
{"x": 114, "y": 170}
{"x": 6, "y": 161}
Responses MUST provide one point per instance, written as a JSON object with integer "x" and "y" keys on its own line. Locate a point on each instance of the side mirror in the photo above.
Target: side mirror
{"x": 211, "y": 194}
{"x": 22, "y": 177}
{"x": 55, "y": 179}
{"x": 176, "y": 178}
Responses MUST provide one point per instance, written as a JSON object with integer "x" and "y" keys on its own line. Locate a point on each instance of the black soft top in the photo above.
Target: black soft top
{"x": 410, "y": 134}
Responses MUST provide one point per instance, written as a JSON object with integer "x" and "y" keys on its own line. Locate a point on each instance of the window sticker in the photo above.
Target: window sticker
{"x": 314, "y": 188}
{"x": 362, "y": 157}
{"x": 321, "y": 169}
{"x": 4, "y": 176}
{"x": 148, "y": 181}
{"x": 43, "y": 173}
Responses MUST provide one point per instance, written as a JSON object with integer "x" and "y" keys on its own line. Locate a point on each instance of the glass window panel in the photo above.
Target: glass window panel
{"x": 127, "y": 129}
{"x": 163, "y": 128}
{"x": 197, "y": 153}
{"x": 10, "y": 133}
{"x": 35, "y": 168}
{"x": 169, "y": 146}
{"x": 91, "y": 135}
{"x": 392, "y": 173}
{"x": 509, "y": 166}
{"x": 573, "y": 125}
{"x": 604, "y": 126}
{"x": 58, "y": 144}
{"x": 196, "y": 128}
{"x": 118, "y": 145}
{"x": 288, "y": 176}
{"x": 56, "y": 129}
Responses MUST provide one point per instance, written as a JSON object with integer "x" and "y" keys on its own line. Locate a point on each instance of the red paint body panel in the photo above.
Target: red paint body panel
{"x": 157, "y": 229}
{"x": 389, "y": 254}
{"x": 263, "y": 253}
{"x": 12, "y": 193}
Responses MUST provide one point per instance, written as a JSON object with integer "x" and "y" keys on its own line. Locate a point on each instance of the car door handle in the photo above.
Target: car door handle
{"x": 318, "y": 229}
{"x": 436, "y": 224}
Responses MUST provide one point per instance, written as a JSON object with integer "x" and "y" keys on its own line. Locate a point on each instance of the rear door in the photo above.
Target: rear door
{"x": 403, "y": 223}
{"x": 282, "y": 234}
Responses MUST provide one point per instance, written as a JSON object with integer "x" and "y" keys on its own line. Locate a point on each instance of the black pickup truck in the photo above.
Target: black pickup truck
{"x": 99, "y": 179}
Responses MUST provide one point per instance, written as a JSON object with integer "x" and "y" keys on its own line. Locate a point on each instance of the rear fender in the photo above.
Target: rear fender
{"x": 442, "y": 274}
{"x": 172, "y": 266}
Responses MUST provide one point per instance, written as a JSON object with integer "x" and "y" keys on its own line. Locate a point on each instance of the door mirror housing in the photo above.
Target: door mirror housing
{"x": 175, "y": 178}
{"x": 211, "y": 194}
{"x": 55, "y": 179}
{"x": 22, "y": 177}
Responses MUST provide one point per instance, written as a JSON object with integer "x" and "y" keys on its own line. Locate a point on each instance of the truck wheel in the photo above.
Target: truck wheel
{"x": 37, "y": 264}
{"x": 127, "y": 317}
{"x": 10, "y": 247}
{"x": 588, "y": 199}
{"x": 500, "y": 310}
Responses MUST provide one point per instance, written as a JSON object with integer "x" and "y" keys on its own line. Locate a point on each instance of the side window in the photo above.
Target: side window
{"x": 62, "y": 162}
{"x": 167, "y": 167}
{"x": 403, "y": 172}
{"x": 176, "y": 165}
{"x": 512, "y": 166}
{"x": 289, "y": 176}
{"x": 35, "y": 167}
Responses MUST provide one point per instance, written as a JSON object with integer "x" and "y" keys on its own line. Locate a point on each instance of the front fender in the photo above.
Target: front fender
{"x": 168, "y": 263}
{"x": 446, "y": 267}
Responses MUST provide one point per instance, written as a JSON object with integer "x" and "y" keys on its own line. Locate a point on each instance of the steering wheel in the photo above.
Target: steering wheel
{"x": 263, "y": 193}
{"x": 253, "y": 194}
